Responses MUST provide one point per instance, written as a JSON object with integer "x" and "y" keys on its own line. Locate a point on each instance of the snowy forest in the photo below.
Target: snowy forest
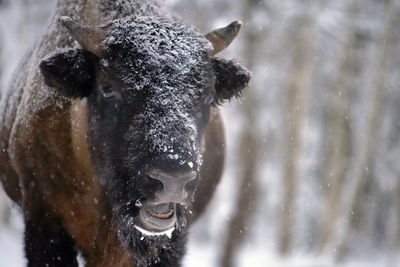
{"x": 311, "y": 177}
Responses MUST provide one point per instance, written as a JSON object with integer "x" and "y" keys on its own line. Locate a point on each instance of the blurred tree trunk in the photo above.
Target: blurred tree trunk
{"x": 337, "y": 130}
{"x": 238, "y": 229}
{"x": 248, "y": 154}
{"x": 22, "y": 25}
{"x": 365, "y": 143}
{"x": 396, "y": 239}
{"x": 393, "y": 257}
{"x": 299, "y": 80}
{"x": 4, "y": 210}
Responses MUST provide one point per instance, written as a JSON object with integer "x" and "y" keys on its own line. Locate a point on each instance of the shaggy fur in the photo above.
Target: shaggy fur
{"x": 81, "y": 134}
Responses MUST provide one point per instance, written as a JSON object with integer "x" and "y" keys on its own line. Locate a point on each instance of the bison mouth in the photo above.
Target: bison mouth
{"x": 157, "y": 218}
{"x": 161, "y": 211}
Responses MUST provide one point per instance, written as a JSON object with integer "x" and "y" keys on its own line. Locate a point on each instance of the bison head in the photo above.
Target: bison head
{"x": 149, "y": 86}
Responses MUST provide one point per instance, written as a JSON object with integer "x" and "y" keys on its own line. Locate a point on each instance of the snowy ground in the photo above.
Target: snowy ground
{"x": 11, "y": 255}
{"x": 199, "y": 253}
{"x": 11, "y": 242}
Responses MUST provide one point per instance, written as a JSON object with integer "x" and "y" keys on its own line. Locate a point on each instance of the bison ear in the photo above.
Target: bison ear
{"x": 71, "y": 71}
{"x": 231, "y": 79}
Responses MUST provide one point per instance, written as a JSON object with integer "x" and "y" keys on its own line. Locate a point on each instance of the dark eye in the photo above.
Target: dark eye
{"x": 209, "y": 99}
{"x": 107, "y": 91}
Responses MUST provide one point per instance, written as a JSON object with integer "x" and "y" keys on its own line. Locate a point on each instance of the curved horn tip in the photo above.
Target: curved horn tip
{"x": 222, "y": 37}
{"x": 238, "y": 23}
{"x": 89, "y": 37}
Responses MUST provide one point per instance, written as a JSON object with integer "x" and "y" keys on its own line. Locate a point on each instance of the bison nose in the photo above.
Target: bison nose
{"x": 174, "y": 186}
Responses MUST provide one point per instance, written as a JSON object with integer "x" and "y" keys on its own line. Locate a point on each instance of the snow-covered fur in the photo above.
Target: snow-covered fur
{"x": 165, "y": 70}
{"x": 81, "y": 132}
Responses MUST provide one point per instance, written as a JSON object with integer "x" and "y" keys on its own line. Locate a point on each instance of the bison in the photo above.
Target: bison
{"x": 111, "y": 138}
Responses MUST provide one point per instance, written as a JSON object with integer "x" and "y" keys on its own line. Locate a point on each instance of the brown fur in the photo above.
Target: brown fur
{"x": 53, "y": 165}
{"x": 45, "y": 165}
{"x": 213, "y": 162}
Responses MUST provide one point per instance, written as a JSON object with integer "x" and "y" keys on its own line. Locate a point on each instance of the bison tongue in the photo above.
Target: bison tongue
{"x": 161, "y": 208}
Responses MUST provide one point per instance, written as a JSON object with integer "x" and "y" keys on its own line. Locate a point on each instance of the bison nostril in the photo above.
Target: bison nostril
{"x": 175, "y": 185}
{"x": 152, "y": 184}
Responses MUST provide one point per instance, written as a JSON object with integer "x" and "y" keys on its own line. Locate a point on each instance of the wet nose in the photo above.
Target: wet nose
{"x": 174, "y": 185}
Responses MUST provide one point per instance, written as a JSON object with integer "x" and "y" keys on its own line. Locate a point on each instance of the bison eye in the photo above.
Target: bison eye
{"x": 107, "y": 91}
{"x": 209, "y": 99}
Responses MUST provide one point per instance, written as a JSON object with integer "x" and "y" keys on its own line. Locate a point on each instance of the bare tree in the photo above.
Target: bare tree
{"x": 365, "y": 143}
{"x": 4, "y": 210}
{"x": 394, "y": 240}
{"x": 238, "y": 228}
{"x": 337, "y": 130}
{"x": 299, "y": 78}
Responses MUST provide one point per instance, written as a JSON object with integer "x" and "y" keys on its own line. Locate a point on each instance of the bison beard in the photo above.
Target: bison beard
{"x": 150, "y": 250}
{"x": 148, "y": 87}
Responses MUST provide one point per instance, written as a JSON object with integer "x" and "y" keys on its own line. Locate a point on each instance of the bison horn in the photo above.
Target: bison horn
{"x": 222, "y": 37}
{"x": 88, "y": 37}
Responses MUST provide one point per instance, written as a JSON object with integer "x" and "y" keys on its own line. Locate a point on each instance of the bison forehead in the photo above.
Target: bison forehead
{"x": 169, "y": 64}
{"x": 173, "y": 130}
{"x": 145, "y": 51}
